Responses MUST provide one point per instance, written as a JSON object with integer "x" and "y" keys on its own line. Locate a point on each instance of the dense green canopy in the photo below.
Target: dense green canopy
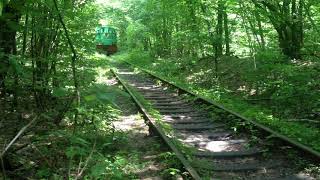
{"x": 260, "y": 58}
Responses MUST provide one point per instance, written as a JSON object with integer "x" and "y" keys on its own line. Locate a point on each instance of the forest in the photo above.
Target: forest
{"x": 59, "y": 104}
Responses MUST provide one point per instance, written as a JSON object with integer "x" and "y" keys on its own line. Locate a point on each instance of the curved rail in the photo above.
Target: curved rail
{"x": 258, "y": 125}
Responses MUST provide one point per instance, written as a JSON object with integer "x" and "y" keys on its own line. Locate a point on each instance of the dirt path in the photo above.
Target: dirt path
{"x": 147, "y": 147}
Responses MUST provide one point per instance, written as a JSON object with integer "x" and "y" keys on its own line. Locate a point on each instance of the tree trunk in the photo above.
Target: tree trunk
{"x": 226, "y": 31}
{"x": 25, "y": 33}
{"x": 288, "y": 23}
{"x": 8, "y": 21}
{"x": 219, "y": 30}
{"x": 209, "y": 26}
{"x": 262, "y": 39}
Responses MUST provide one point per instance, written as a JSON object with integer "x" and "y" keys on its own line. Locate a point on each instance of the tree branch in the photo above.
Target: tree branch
{"x": 22, "y": 130}
{"x": 74, "y": 58}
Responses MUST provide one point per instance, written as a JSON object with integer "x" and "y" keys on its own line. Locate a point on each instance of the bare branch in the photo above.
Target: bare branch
{"x": 18, "y": 135}
{"x": 87, "y": 161}
{"x": 74, "y": 58}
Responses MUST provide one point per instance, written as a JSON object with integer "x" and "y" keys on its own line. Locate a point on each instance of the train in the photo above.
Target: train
{"x": 106, "y": 40}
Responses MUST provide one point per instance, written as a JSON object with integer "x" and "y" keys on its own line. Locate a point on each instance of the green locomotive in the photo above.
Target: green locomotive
{"x": 106, "y": 40}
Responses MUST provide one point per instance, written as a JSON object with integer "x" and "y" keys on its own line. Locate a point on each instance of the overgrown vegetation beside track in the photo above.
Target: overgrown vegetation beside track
{"x": 57, "y": 106}
{"x": 260, "y": 58}
{"x": 232, "y": 47}
{"x": 305, "y": 133}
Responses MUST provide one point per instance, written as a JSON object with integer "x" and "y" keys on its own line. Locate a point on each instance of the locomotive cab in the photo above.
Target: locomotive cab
{"x": 106, "y": 40}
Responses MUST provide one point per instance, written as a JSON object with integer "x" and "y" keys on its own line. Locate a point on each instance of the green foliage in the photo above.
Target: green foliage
{"x": 137, "y": 35}
{"x": 170, "y": 159}
{"x": 102, "y": 94}
{"x": 77, "y": 148}
{"x": 275, "y": 79}
{"x": 305, "y": 134}
{"x": 108, "y": 169}
{"x": 170, "y": 174}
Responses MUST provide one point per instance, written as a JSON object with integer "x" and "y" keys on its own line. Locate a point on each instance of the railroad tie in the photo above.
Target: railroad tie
{"x": 229, "y": 154}
{"x": 197, "y": 127}
{"x": 246, "y": 167}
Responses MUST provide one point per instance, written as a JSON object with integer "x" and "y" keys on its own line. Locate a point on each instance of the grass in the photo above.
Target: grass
{"x": 305, "y": 134}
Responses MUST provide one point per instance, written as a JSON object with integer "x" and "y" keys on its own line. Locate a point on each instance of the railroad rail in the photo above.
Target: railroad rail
{"x": 223, "y": 153}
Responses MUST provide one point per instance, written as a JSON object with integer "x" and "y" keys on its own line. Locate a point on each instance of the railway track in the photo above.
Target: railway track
{"x": 214, "y": 150}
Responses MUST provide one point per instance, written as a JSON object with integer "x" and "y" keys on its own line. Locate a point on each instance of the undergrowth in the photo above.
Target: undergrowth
{"x": 167, "y": 69}
{"x": 85, "y": 144}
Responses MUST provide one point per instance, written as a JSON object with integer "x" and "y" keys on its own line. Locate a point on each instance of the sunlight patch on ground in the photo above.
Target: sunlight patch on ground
{"x": 148, "y": 87}
{"x": 182, "y": 117}
{"x": 99, "y": 55}
{"x": 127, "y": 123}
{"x": 170, "y": 118}
{"x": 126, "y": 73}
{"x": 219, "y": 146}
{"x": 137, "y": 131}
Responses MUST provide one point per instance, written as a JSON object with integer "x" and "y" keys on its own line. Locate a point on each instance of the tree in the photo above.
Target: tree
{"x": 219, "y": 29}
{"x": 9, "y": 23}
{"x": 287, "y": 18}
